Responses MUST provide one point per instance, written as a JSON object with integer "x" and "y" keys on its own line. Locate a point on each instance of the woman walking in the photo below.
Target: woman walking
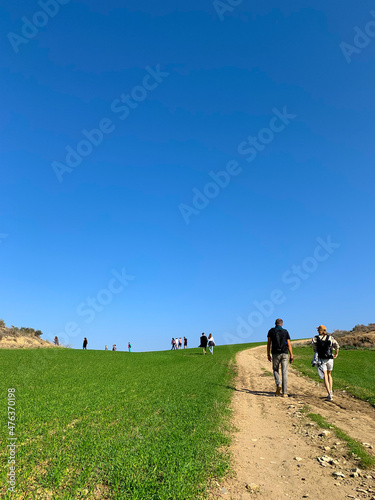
{"x": 211, "y": 343}
{"x": 323, "y": 344}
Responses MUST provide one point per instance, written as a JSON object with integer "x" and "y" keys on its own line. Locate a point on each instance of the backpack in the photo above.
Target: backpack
{"x": 324, "y": 347}
{"x": 278, "y": 341}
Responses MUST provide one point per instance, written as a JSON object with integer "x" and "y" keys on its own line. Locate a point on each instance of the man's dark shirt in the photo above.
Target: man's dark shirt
{"x": 284, "y": 336}
{"x": 203, "y": 341}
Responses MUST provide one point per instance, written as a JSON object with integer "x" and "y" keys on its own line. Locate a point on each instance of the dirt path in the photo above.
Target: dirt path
{"x": 275, "y": 448}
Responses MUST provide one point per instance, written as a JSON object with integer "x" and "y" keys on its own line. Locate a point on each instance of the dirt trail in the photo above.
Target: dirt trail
{"x": 275, "y": 448}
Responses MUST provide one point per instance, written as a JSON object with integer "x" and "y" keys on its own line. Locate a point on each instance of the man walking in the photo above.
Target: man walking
{"x": 204, "y": 342}
{"x": 279, "y": 345}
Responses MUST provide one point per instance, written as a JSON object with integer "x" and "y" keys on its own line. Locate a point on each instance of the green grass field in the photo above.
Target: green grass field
{"x": 353, "y": 371}
{"x": 96, "y": 424}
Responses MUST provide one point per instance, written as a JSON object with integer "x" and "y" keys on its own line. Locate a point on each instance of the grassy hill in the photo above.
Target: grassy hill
{"x": 117, "y": 425}
{"x": 97, "y": 424}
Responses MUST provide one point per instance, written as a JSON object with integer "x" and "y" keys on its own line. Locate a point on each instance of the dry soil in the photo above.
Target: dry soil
{"x": 23, "y": 342}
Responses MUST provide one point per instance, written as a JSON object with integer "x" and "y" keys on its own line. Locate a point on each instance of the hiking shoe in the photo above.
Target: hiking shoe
{"x": 278, "y": 390}
{"x": 285, "y": 396}
{"x": 329, "y": 397}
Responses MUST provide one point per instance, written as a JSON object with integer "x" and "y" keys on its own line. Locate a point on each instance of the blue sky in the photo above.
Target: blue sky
{"x": 172, "y": 169}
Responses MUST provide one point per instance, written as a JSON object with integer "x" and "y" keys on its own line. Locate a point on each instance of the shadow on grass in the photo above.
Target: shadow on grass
{"x": 194, "y": 354}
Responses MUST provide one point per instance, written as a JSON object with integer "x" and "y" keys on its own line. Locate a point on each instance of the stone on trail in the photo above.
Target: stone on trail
{"x": 326, "y": 459}
{"x": 367, "y": 445}
{"x": 338, "y": 474}
{"x": 324, "y": 434}
{"x": 253, "y": 488}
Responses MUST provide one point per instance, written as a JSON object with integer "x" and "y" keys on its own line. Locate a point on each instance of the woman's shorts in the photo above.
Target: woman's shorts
{"x": 327, "y": 365}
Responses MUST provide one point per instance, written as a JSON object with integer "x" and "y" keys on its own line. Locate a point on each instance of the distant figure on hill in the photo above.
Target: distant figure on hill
{"x": 203, "y": 343}
{"x": 211, "y": 343}
{"x": 129, "y": 347}
{"x": 106, "y": 348}
{"x": 185, "y": 343}
{"x": 323, "y": 345}
{"x": 56, "y": 340}
{"x": 85, "y": 343}
{"x": 114, "y": 347}
{"x": 173, "y": 342}
{"x": 180, "y": 343}
{"x": 279, "y": 344}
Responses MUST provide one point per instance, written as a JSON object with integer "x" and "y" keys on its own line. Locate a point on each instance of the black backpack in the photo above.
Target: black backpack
{"x": 278, "y": 341}
{"x": 324, "y": 347}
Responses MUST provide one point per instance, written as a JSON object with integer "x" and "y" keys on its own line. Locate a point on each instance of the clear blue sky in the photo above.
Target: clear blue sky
{"x": 123, "y": 234}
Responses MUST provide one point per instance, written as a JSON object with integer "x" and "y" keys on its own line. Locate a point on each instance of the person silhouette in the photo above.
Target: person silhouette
{"x": 278, "y": 347}
{"x": 203, "y": 343}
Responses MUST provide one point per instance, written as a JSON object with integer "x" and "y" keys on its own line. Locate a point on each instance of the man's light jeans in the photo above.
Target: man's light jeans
{"x": 277, "y": 360}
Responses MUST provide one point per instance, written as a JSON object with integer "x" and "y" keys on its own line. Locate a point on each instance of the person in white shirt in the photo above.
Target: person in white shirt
{"x": 211, "y": 343}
